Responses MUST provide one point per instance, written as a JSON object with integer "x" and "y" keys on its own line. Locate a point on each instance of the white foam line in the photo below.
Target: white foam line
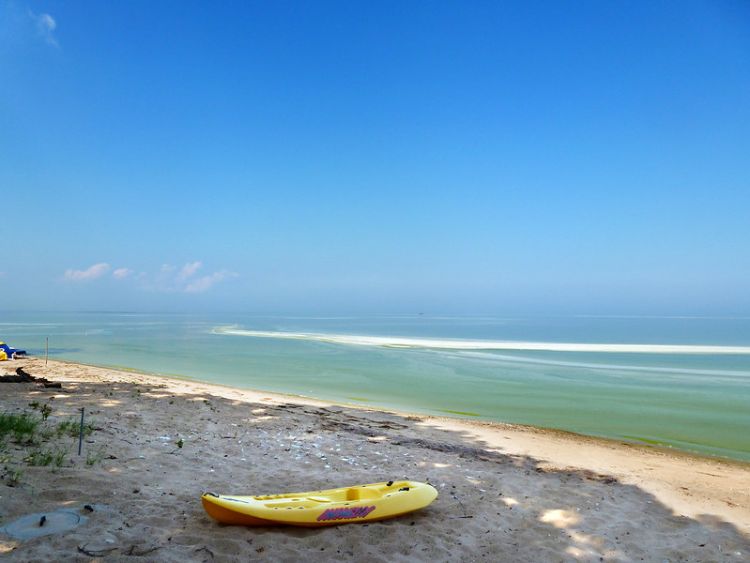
{"x": 674, "y": 370}
{"x": 454, "y": 344}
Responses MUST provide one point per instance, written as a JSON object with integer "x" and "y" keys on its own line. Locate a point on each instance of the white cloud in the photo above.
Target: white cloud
{"x": 189, "y": 270}
{"x": 45, "y": 26}
{"x": 122, "y": 273}
{"x": 170, "y": 279}
{"x": 205, "y": 283}
{"x": 167, "y": 279}
{"x": 91, "y": 273}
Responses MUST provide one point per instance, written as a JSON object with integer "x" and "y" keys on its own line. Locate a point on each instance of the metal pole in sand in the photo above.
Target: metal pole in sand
{"x": 80, "y": 435}
{"x": 46, "y": 352}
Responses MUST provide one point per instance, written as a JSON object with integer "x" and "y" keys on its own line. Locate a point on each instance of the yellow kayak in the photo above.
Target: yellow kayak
{"x": 360, "y": 503}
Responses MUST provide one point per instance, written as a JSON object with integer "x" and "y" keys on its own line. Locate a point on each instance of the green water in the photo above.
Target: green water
{"x": 693, "y": 401}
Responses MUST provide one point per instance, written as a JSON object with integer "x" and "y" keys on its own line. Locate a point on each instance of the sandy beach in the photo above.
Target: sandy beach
{"x": 506, "y": 493}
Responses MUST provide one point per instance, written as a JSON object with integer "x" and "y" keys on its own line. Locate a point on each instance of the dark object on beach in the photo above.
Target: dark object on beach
{"x": 43, "y": 524}
{"x": 20, "y": 377}
{"x": 25, "y": 377}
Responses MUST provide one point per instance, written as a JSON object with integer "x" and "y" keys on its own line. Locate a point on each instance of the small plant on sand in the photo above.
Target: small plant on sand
{"x": 67, "y": 428}
{"x": 44, "y": 409}
{"x": 13, "y": 477}
{"x": 58, "y": 458}
{"x": 94, "y": 457}
{"x": 72, "y": 428}
{"x": 180, "y": 443}
{"x": 43, "y": 458}
{"x": 39, "y": 457}
{"x": 21, "y": 426}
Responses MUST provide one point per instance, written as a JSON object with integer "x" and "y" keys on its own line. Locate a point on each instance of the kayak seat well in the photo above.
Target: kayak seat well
{"x": 362, "y": 493}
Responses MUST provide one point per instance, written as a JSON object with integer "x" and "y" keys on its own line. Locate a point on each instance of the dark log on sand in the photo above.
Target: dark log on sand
{"x": 25, "y": 377}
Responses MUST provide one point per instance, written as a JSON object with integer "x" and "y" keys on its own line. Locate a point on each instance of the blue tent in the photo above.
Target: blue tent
{"x": 10, "y": 351}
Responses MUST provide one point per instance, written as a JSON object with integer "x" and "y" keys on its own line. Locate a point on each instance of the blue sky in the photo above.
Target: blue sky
{"x": 463, "y": 157}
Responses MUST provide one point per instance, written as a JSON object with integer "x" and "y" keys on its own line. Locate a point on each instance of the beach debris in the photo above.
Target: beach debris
{"x": 141, "y": 550}
{"x": 99, "y": 548}
{"x": 43, "y": 524}
{"x": 25, "y": 377}
{"x": 208, "y": 551}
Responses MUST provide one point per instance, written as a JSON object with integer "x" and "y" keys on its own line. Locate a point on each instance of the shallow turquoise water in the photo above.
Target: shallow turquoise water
{"x": 696, "y": 402}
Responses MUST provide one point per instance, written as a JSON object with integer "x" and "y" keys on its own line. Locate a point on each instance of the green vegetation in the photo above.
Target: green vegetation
{"x": 22, "y": 427}
{"x": 95, "y": 456}
{"x": 40, "y": 441}
{"x": 44, "y": 457}
{"x": 13, "y": 477}
{"x": 44, "y": 409}
{"x": 72, "y": 428}
{"x": 180, "y": 443}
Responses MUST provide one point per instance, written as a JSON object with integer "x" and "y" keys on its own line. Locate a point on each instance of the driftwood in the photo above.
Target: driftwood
{"x": 25, "y": 377}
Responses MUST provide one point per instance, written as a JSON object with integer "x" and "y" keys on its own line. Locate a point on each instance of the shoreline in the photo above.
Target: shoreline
{"x": 515, "y": 492}
{"x": 546, "y": 444}
{"x": 455, "y": 417}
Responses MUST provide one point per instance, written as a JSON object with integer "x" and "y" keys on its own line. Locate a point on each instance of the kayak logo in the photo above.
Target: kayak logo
{"x": 345, "y": 513}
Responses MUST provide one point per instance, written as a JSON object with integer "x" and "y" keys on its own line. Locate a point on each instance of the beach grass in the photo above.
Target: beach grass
{"x": 42, "y": 457}
{"x": 22, "y": 427}
{"x": 72, "y": 428}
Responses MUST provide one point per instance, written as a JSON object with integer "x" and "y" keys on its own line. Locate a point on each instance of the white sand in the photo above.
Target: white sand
{"x": 507, "y": 493}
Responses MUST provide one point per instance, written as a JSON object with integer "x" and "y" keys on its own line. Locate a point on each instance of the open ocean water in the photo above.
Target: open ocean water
{"x": 679, "y": 382}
